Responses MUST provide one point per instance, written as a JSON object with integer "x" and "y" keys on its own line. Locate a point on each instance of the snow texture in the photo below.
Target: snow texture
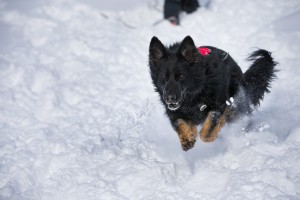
{"x": 79, "y": 118}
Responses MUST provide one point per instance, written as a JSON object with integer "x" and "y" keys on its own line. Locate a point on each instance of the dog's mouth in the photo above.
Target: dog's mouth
{"x": 173, "y": 106}
{"x": 172, "y": 102}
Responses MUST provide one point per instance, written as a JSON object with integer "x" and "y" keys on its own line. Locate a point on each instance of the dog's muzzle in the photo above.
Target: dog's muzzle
{"x": 172, "y": 102}
{"x": 173, "y": 106}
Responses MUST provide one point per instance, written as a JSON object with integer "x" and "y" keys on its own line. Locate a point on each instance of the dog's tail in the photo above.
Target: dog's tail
{"x": 259, "y": 76}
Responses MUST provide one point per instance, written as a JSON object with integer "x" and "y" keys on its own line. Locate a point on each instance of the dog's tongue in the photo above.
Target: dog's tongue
{"x": 204, "y": 51}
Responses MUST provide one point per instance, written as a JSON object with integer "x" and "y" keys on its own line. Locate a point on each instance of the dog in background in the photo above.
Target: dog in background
{"x": 206, "y": 86}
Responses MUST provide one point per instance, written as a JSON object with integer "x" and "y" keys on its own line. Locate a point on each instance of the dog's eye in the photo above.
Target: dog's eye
{"x": 179, "y": 77}
{"x": 164, "y": 76}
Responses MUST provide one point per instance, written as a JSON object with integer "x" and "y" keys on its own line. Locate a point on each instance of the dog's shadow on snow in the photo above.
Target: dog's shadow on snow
{"x": 203, "y": 151}
{"x": 169, "y": 146}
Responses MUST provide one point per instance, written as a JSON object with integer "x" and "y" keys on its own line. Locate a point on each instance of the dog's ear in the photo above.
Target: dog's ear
{"x": 156, "y": 50}
{"x": 188, "y": 50}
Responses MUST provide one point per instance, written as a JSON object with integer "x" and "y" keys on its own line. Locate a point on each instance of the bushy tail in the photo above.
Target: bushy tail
{"x": 260, "y": 74}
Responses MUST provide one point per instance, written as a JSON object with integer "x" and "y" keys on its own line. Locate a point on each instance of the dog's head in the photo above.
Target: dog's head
{"x": 175, "y": 70}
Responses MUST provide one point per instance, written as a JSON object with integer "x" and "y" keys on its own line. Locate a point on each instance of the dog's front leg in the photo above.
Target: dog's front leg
{"x": 187, "y": 133}
{"x": 212, "y": 125}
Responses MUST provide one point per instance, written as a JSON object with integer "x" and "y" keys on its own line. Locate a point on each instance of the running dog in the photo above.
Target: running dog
{"x": 205, "y": 86}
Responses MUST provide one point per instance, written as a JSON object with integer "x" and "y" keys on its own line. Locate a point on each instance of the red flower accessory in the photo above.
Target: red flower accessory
{"x": 204, "y": 51}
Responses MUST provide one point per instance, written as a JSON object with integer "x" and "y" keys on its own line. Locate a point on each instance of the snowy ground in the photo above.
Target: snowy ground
{"x": 79, "y": 118}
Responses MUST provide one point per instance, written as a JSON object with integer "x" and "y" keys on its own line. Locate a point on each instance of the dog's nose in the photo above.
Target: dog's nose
{"x": 171, "y": 99}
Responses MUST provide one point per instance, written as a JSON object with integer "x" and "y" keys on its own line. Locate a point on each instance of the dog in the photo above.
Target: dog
{"x": 206, "y": 86}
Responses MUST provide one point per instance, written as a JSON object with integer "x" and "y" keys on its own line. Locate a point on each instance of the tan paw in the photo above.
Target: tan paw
{"x": 187, "y": 134}
{"x": 187, "y": 144}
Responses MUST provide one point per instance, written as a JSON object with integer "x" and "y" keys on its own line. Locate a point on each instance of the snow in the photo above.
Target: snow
{"x": 80, "y": 120}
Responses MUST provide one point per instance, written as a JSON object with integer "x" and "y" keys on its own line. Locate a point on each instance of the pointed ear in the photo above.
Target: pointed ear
{"x": 188, "y": 50}
{"x": 156, "y": 50}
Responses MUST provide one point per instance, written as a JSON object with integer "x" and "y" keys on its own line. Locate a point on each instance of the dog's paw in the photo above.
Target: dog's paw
{"x": 187, "y": 134}
{"x": 189, "y": 141}
{"x": 187, "y": 144}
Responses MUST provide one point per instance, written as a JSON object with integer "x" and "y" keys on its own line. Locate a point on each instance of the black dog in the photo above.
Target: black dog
{"x": 206, "y": 86}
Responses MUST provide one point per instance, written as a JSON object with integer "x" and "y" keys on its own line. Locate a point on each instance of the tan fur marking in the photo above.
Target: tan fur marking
{"x": 187, "y": 133}
{"x": 208, "y": 132}
{"x": 205, "y": 128}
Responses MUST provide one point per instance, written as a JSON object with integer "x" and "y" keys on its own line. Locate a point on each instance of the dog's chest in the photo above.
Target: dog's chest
{"x": 196, "y": 114}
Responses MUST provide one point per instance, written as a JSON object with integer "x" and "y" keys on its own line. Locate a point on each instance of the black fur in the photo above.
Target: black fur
{"x": 259, "y": 75}
{"x": 186, "y": 80}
